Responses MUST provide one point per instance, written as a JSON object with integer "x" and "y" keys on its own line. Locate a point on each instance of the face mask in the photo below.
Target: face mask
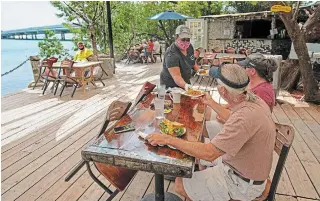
{"x": 182, "y": 45}
{"x": 81, "y": 48}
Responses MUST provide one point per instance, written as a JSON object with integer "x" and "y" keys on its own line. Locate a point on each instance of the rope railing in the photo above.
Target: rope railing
{"x": 6, "y": 73}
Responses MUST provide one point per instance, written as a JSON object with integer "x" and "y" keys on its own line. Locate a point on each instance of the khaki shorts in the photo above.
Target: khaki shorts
{"x": 219, "y": 183}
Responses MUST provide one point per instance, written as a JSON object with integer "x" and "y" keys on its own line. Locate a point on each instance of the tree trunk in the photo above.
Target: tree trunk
{"x": 309, "y": 83}
{"x": 299, "y": 43}
{"x": 290, "y": 75}
{"x": 93, "y": 39}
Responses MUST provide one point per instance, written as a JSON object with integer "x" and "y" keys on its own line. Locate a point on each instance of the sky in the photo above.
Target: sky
{"x": 24, "y": 14}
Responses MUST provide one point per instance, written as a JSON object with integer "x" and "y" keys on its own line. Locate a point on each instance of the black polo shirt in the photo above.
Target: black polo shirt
{"x": 174, "y": 58}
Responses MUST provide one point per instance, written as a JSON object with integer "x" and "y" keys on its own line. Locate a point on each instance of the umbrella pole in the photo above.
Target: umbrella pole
{"x": 165, "y": 33}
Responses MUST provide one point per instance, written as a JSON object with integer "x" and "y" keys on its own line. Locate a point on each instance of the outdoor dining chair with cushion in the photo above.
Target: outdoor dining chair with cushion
{"x": 116, "y": 111}
{"x": 284, "y": 139}
{"x": 97, "y": 71}
{"x": 68, "y": 78}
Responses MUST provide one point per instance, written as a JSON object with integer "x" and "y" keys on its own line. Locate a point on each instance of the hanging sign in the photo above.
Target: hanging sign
{"x": 280, "y": 8}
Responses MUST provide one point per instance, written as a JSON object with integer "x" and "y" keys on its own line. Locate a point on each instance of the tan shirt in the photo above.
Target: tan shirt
{"x": 248, "y": 139}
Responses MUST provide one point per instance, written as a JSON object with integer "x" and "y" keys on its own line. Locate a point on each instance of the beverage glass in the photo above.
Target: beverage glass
{"x": 159, "y": 107}
{"x": 161, "y": 89}
{"x": 175, "y": 96}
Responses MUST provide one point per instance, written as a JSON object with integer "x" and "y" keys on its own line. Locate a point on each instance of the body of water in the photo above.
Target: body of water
{"x": 13, "y": 53}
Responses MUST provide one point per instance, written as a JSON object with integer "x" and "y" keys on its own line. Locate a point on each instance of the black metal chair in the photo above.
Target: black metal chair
{"x": 49, "y": 75}
{"x": 67, "y": 79}
{"x": 116, "y": 110}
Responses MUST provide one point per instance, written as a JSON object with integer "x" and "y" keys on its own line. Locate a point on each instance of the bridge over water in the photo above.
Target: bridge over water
{"x": 34, "y": 31}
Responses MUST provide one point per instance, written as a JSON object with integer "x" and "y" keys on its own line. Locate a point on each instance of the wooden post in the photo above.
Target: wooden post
{"x": 110, "y": 31}
{"x": 35, "y": 63}
{"x": 273, "y": 26}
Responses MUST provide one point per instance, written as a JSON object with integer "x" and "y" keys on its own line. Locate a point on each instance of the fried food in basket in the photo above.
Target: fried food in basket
{"x": 193, "y": 92}
{"x": 203, "y": 72}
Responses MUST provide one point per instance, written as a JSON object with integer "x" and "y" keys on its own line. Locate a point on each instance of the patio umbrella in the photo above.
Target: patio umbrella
{"x": 168, "y": 15}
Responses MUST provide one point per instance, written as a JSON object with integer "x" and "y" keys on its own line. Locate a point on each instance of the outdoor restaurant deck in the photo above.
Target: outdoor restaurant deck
{"x": 42, "y": 137}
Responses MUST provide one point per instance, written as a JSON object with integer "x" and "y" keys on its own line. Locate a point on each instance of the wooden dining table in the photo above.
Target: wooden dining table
{"x": 80, "y": 68}
{"x": 128, "y": 150}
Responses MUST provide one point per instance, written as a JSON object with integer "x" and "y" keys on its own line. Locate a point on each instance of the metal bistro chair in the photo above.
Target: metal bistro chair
{"x": 284, "y": 139}
{"x": 49, "y": 74}
{"x": 116, "y": 111}
{"x": 66, "y": 79}
{"x": 42, "y": 68}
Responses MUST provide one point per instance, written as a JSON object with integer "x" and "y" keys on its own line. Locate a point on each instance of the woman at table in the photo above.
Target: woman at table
{"x": 179, "y": 60}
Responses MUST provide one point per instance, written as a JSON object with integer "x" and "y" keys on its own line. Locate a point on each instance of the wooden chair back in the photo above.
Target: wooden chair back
{"x": 284, "y": 139}
{"x": 118, "y": 177}
{"x": 66, "y": 65}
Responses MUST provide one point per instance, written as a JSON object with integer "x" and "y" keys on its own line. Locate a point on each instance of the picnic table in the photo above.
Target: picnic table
{"x": 128, "y": 150}
{"x": 81, "y": 67}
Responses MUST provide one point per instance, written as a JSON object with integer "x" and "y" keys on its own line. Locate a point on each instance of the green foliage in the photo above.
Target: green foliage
{"x": 129, "y": 19}
{"x": 249, "y": 6}
{"x": 51, "y": 46}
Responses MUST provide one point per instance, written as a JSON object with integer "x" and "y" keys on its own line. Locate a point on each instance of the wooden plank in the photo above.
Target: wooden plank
{"x": 306, "y": 134}
{"x": 285, "y": 198}
{"x": 57, "y": 152}
{"x": 171, "y": 190}
{"x": 53, "y": 192}
{"x": 50, "y": 179}
{"x": 21, "y": 112}
{"x": 309, "y": 121}
{"x": 75, "y": 191}
{"x": 137, "y": 187}
{"x": 12, "y": 190}
{"x": 94, "y": 192}
{"x": 42, "y": 183}
{"x": 22, "y": 128}
{"x": 152, "y": 184}
{"x": 48, "y": 149}
{"x": 37, "y": 138}
{"x": 297, "y": 174}
{"x": 314, "y": 111}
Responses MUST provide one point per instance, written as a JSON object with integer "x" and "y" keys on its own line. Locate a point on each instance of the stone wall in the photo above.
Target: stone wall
{"x": 263, "y": 46}
{"x": 216, "y": 29}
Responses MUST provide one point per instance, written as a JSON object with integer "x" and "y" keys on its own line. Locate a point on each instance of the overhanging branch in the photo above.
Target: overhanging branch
{"x": 75, "y": 12}
{"x": 313, "y": 20}
{"x": 296, "y": 12}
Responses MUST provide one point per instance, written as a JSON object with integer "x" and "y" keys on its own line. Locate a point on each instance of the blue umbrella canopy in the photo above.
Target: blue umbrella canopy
{"x": 169, "y": 15}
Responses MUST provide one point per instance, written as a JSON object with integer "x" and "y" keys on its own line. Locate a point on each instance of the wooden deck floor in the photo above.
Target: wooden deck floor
{"x": 42, "y": 137}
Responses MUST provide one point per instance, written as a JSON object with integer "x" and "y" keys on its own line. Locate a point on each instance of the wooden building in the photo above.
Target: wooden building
{"x": 261, "y": 32}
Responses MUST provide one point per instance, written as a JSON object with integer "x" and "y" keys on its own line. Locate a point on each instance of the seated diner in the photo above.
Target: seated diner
{"x": 242, "y": 171}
